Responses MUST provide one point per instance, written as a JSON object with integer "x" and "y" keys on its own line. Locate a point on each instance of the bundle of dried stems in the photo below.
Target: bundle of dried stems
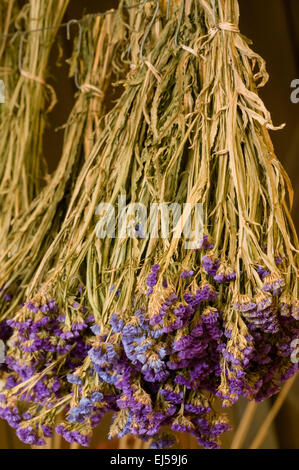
{"x": 173, "y": 329}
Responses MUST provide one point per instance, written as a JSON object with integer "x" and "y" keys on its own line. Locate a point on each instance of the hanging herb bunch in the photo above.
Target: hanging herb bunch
{"x": 28, "y": 102}
{"x": 173, "y": 329}
{"x": 104, "y": 50}
{"x": 100, "y": 43}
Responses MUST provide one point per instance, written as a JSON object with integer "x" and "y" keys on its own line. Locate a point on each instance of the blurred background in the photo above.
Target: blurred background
{"x": 273, "y": 26}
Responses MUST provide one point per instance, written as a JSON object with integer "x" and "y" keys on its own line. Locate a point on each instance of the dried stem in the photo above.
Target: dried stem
{"x": 244, "y": 425}
{"x": 262, "y": 433}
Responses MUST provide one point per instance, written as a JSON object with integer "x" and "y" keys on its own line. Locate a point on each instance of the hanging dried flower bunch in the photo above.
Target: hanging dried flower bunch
{"x": 144, "y": 326}
{"x": 101, "y": 42}
{"x": 28, "y": 100}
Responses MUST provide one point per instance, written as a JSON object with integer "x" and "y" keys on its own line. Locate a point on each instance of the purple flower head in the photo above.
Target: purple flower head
{"x": 7, "y": 297}
{"x": 205, "y": 292}
{"x": 116, "y": 322}
{"x": 285, "y": 308}
{"x": 278, "y": 260}
{"x": 273, "y": 283}
{"x": 262, "y": 272}
{"x": 80, "y": 413}
{"x": 263, "y": 301}
{"x": 183, "y": 342}
{"x": 197, "y": 331}
{"x": 74, "y": 379}
{"x": 33, "y": 308}
{"x": 210, "y": 316}
{"x": 44, "y": 308}
{"x": 151, "y": 279}
{"x": 182, "y": 424}
{"x": 224, "y": 274}
{"x": 11, "y": 415}
{"x": 95, "y": 329}
{"x": 28, "y": 435}
{"x": 244, "y": 303}
{"x": 47, "y": 430}
{"x": 210, "y": 264}
{"x": 139, "y": 231}
{"x": 97, "y": 397}
{"x": 186, "y": 274}
{"x": 117, "y": 293}
{"x": 174, "y": 397}
{"x": 206, "y": 243}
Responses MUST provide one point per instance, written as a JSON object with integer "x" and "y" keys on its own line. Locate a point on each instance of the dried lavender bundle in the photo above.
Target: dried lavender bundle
{"x": 31, "y": 347}
{"x": 122, "y": 128}
{"x": 163, "y": 413}
{"x": 245, "y": 343}
{"x": 171, "y": 330}
{"x": 31, "y": 235}
{"x": 25, "y": 112}
{"x": 247, "y": 261}
{"x": 228, "y": 310}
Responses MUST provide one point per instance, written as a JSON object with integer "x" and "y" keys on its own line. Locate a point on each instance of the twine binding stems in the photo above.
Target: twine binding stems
{"x": 31, "y": 76}
{"x": 224, "y": 26}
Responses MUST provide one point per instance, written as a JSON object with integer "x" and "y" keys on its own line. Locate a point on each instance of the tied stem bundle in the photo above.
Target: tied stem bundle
{"x": 33, "y": 232}
{"x": 105, "y": 40}
{"x": 117, "y": 161}
{"x": 174, "y": 328}
{"x": 21, "y": 146}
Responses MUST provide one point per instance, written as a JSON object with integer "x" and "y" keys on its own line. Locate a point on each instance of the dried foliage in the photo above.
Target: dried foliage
{"x": 29, "y": 98}
{"x": 142, "y": 326}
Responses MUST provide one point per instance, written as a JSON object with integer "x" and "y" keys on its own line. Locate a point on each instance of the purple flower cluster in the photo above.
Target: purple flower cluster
{"x": 273, "y": 284}
{"x": 34, "y": 434}
{"x": 162, "y": 441}
{"x": 210, "y": 265}
{"x": 217, "y": 270}
{"x": 83, "y": 411}
{"x": 187, "y": 274}
{"x": 43, "y": 336}
{"x": 40, "y": 328}
{"x": 157, "y": 362}
{"x": 206, "y": 243}
{"x": 158, "y": 365}
{"x": 151, "y": 279}
{"x": 28, "y": 436}
{"x": 73, "y": 436}
{"x": 181, "y": 344}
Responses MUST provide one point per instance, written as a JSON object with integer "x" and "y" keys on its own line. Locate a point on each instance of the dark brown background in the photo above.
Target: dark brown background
{"x": 273, "y": 25}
